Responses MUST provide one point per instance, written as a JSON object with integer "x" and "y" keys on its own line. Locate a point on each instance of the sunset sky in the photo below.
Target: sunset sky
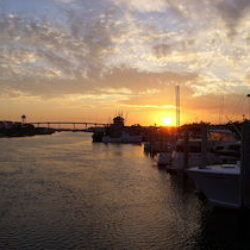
{"x": 87, "y": 60}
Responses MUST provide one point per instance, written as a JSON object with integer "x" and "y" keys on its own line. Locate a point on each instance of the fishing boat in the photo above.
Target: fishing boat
{"x": 119, "y": 133}
{"x": 124, "y": 137}
{"x": 222, "y": 147}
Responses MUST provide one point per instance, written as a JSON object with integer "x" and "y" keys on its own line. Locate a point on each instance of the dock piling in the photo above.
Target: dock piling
{"x": 204, "y": 146}
{"x": 245, "y": 166}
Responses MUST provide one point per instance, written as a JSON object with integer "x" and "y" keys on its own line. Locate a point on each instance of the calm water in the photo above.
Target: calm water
{"x": 62, "y": 191}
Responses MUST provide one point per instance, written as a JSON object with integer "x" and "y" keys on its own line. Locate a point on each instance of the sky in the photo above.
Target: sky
{"x": 88, "y": 60}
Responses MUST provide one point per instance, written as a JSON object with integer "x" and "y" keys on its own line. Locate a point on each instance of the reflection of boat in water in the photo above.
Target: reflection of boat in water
{"x": 219, "y": 183}
{"x": 123, "y": 138}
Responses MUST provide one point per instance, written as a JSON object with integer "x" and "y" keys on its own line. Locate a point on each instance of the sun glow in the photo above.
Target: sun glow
{"x": 167, "y": 121}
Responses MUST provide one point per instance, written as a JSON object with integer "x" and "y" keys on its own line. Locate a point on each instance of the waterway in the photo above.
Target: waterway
{"x": 61, "y": 191}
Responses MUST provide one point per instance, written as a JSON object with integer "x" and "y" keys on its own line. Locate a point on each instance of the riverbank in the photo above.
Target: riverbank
{"x": 17, "y": 129}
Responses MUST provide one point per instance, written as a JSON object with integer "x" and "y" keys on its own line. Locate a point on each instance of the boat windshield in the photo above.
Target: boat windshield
{"x": 221, "y": 136}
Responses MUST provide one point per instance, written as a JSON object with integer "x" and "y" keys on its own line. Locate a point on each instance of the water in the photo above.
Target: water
{"x": 62, "y": 191}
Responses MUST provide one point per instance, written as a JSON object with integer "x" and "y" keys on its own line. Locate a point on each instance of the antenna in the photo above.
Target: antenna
{"x": 221, "y": 108}
{"x": 126, "y": 116}
{"x": 177, "y": 105}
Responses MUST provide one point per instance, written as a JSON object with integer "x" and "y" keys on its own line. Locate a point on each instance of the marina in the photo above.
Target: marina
{"x": 67, "y": 192}
{"x": 125, "y": 124}
{"x": 215, "y": 157}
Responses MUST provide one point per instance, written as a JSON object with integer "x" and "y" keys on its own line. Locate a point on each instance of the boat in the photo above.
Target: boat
{"x": 227, "y": 185}
{"x": 194, "y": 155}
{"x": 123, "y": 138}
{"x": 222, "y": 148}
{"x": 156, "y": 146}
{"x": 119, "y": 133}
{"x": 164, "y": 158}
{"x": 219, "y": 183}
{"x": 227, "y": 151}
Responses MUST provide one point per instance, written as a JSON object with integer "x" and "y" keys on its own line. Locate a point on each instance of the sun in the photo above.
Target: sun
{"x": 167, "y": 121}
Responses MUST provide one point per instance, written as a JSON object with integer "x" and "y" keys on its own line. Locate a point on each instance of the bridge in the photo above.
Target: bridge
{"x": 85, "y": 124}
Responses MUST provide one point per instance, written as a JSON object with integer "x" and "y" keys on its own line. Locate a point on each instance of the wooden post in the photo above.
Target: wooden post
{"x": 245, "y": 166}
{"x": 203, "y": 146}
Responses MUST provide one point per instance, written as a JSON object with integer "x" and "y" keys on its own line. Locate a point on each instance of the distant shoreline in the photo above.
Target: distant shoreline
{"x": 10, "y": 129}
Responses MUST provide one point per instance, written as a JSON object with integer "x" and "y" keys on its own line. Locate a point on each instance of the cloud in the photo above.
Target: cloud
{"x": 151, "y": 106}
{"x": 135, "y": 45}
{"x": 121, "y": 80}
{"x": 64, "y": 1}
{"x": 143, "y": 5}
{"x": 232, "y": 11}
{"x": 76, "y": 49}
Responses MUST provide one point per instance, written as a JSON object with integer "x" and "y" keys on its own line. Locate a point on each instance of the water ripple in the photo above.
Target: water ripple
{"x": 63, "y": 192}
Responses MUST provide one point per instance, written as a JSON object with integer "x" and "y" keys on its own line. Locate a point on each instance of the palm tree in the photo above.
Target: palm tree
{"x": 23, "y": 117}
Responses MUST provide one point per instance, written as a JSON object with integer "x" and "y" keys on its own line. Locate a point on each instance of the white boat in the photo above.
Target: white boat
{"x": 194, "y": 157}
{"x": 118, "y": 133}
{"x": 219, "y": 183}
{"x": 227, "y": 151}
{"x": 222, "y": 147}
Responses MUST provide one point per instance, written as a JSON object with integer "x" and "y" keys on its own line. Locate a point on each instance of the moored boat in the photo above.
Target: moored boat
{"x": 219, "y": 183}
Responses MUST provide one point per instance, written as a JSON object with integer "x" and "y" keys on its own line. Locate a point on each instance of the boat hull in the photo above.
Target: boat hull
{"x": 122, "y": 139}
{"x": 221, "y": 188}
{"x": 164, "y": 159}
